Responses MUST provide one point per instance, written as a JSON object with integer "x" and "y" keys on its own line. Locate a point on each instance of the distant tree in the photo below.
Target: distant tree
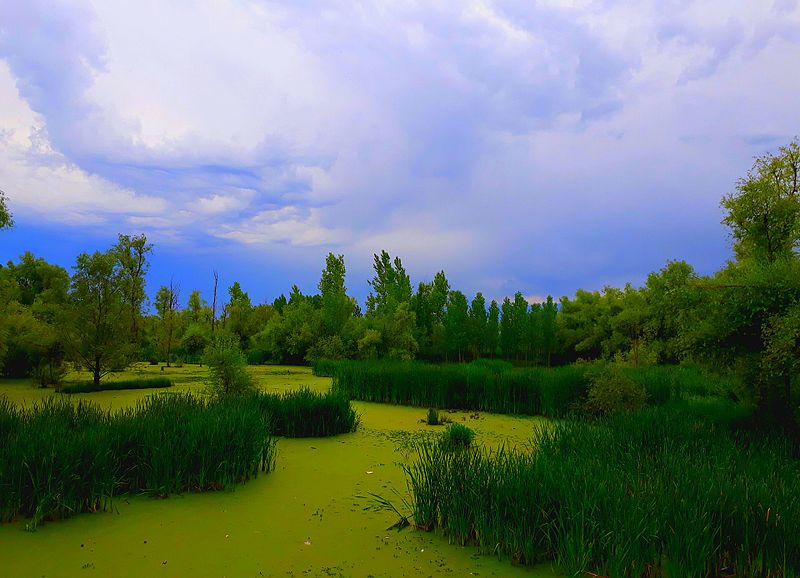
{"x": 457, "y": 324}
{"x": 520, "y": 322}
{"x": 478, "y": 319}
{"x": 549, "y": 327}
{"x": 98, "y": 324}
{"x": 337, "y": 307}
{"x": 197, "y": 308}
{"x": 167, "y": 307}
{"x": 194, "y": 340}
{"x": 508, "y": 337}
{"x": 132, "y": 254}
{"x": 6, "y": 219}
{"x": 492, "y": 339}
{"x": 390, "y": 286}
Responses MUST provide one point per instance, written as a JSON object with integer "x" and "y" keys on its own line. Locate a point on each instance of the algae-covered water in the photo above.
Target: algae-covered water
{"x": 310, "y": 517}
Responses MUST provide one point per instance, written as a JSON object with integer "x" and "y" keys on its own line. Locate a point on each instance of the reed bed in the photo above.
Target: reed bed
{"x": 90, "y": 386}
{"x": 305, "y": 413}
{"x": 476, "y": 386}
{"x": 59, "y": 458}
{"x": 670, "y": 491}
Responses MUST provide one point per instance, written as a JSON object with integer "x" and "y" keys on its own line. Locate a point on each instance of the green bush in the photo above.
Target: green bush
{"x": 433, "y": 417}
{"x": 228, "y": 367}
{"x": 612, "y": 391}
{"x": 458, "y": 436}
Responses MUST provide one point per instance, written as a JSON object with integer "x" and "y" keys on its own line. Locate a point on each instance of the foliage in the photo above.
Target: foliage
{"x": 305, "y": 413}
{"x": 228, "y": 367}
{"x": 6, "y": 218}
{"x": 611, "y": 391}
{"x": 458, "y": 436}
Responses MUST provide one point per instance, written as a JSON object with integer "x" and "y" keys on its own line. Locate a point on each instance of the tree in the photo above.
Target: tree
{"x": 132, "y": 255}
{"x": 167, "y": 306}
{"x": 390, "y": 286}
{"x": 764, "y": 212}
{"x": 457, "y": 324}
{"x": 492, "y": 339}
{"x": 228, "y": 367}
{"x": 337, "y": 307}
{"x": 6, "y": 219}
{"x": 98, "y": 329}
{"x": 478, "y": 319}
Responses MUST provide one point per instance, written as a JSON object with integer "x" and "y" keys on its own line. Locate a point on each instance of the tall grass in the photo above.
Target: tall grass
{"x": 305, "y": 413}
{"x": 89, "y": 386}
{"x": 476, "y": 386}
{"x": 58, "y": 458}
{"x": 663, "y": 492}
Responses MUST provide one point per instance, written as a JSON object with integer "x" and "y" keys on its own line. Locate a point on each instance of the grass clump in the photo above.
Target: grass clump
{"x": 58, "y": 458}
{"x": 433, "y": 417}
{"x": 664, "y": 491}
{"x": 305, "y": 413}
{"x": 458, "y": 436}
{"x": 89, "y": 386}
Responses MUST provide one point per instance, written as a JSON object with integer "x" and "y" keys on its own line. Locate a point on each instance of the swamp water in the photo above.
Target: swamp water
{"x": 307, "y": 518}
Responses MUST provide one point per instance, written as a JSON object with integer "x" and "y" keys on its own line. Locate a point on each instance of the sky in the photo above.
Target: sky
{"x": 534, "y": 146}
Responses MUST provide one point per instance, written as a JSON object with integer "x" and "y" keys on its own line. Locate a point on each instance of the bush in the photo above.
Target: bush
{"x": 458, "y": 436}
{"x": 228, "y": 367}
{"x": 611, "y": 391}
{"x": 433, "y": 417}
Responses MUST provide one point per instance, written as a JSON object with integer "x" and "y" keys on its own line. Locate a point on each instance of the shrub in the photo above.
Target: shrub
{"x": 458, "y": 436}
{"x": 611, "y": 391}
{"x": 433, "y": 417}
{"x": 228, "y": 367}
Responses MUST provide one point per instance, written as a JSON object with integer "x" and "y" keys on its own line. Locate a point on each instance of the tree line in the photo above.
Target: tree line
{"x": 745, "y": 318}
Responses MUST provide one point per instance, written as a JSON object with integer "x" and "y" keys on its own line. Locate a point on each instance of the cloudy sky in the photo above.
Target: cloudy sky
{"x": 539, "y": 146}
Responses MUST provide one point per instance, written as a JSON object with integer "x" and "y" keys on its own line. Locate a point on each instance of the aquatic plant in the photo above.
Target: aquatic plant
{"x": 468, "y": 386}
{"x": 458, "y": 436}
{"x": 58, "y": 458}
{"x": 90, "y": 386}
{"x": 666, "y": 491}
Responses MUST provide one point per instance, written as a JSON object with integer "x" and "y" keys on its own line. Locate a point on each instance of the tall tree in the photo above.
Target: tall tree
{"x": 492, "y": 339}
{"x": 132, "y": 254}
{"x": 478, "y": 320}
{"x": 98, "y": 324}
{"x": 167, "y": 307}
{"x": 457, "y": 324}
{"x": 337, "y": 307}
{"x": 390, "y": 286}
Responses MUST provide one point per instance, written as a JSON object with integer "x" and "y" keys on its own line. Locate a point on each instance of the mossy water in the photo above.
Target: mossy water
{"x": 307, "y": 518}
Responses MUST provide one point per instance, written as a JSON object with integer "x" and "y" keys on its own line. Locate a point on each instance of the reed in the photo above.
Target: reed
{"x": 89, "y": 386}
{"x": 672, "y": 491}
{"x": 59, "y": 458}
{"x": 476, "y": 386}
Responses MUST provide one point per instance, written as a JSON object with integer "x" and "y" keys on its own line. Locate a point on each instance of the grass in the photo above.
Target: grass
{"x": 671, "y": 491}
{"x": 89, "y": 386}
{"x": 306, "y": 413}
{"x": 476, "y": 386}
{"x": 59, "y": 458}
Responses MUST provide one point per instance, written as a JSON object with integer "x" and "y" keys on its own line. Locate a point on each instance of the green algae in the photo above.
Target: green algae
{"x": 308, "y": 518}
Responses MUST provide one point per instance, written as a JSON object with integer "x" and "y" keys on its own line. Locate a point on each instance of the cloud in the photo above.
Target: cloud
{"x": 532, "y": 146}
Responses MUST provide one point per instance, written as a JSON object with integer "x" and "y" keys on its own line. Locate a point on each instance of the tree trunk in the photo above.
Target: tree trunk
{"x": 96, "y": 371}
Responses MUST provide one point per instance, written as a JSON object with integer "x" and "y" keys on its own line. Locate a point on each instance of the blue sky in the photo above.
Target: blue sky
{"x": 535, "y": 146}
